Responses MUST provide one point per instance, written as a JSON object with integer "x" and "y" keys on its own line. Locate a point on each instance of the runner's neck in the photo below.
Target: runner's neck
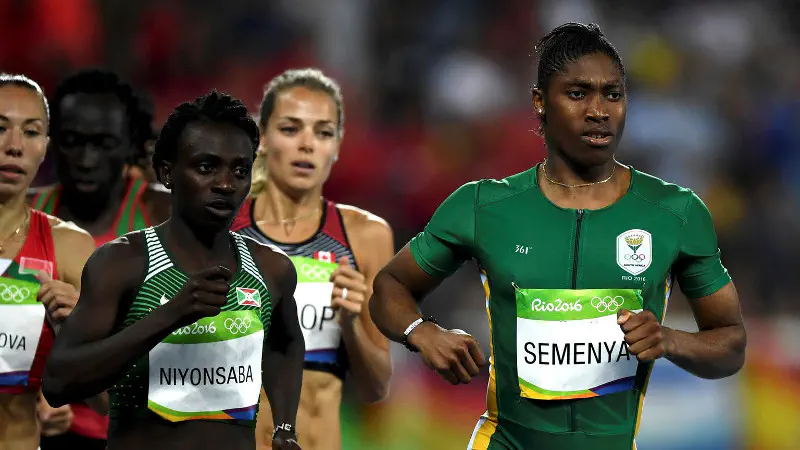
{"x": 12, "y": 214}
{"x": 202, "y": 248}
{"x": 562, "y": 170}
{"x": 595, "y": 196}
{"x": 276, "y": 206}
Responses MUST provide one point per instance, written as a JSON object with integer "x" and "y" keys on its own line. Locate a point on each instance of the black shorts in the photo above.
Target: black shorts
{"x": 71, "y": 441}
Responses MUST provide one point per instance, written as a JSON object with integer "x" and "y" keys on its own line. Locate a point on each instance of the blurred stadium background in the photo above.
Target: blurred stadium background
{"x": 436, "y": 94}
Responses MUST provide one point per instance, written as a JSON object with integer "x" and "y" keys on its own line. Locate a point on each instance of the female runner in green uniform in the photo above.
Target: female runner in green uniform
{"x": 578, "y": 255}
{"x": 98, "y": 125}
{"x": 182, "y": 341}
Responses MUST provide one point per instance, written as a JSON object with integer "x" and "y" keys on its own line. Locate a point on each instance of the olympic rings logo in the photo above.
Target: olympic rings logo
{"x": 237, "y": 325}
{"x": 10, "y": 293}
{"x": 635, "y": 257}
{"x": 315, "y": 272}
{"x": 607, "y": 303}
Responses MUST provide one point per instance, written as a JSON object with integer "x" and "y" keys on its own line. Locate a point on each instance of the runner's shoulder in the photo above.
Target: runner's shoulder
{"x": 67, "y": 231}
{"x": 127, "y": 252}
{"x": 362, "y": 222}
{"x": 488, "y": 191}
{"x": 663, "y": 194}
{"x": 72, "y": 245}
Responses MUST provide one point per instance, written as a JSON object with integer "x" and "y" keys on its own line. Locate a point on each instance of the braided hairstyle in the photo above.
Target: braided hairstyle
{"x": 213, "y": 107}
{"x": 8, "y": 79}
{"x": 99, "y": 81}
{"x": 566, "y": 44}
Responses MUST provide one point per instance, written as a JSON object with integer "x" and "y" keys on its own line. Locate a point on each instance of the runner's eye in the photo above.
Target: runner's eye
{"x": 576, "y": 95}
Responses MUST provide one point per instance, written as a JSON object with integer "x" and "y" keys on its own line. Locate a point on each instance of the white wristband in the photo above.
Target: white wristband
{"x": 413, "y": 325}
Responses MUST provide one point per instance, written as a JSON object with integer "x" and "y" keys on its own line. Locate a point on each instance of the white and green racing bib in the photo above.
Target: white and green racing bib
{"x": 21, "y": 320}
{"x": 313, "y": 295}
{"x": 207, "y": 370}
{"x": 569, "y": 344}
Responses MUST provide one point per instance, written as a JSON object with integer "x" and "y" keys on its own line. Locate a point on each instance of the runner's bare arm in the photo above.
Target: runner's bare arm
{"x": 717, "y": 349}
{"x": 367, "y": 348}
{"x": 73, "y": 247}
{"x": 284, "y": 347}
{"x": 88, "y": 356}
{"x": 59, "y": 294}
{"x": 399, "y": 289}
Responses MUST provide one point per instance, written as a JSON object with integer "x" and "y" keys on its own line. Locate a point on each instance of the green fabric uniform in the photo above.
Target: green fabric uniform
{"x": 560, "y": 375}
{"x": 210, "y": 370}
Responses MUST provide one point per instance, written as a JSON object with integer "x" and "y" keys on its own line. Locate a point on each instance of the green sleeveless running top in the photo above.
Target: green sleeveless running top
{"x": 209, "y": 370}
{"x": 561, "y": 376}
{"x": 132, "y": 215}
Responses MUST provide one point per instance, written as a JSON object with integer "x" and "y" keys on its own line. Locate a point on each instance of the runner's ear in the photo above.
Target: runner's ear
{"x": 164, "y": 172}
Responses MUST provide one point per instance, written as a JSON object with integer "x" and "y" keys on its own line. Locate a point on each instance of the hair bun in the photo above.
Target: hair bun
{"x": 595, "y": 29}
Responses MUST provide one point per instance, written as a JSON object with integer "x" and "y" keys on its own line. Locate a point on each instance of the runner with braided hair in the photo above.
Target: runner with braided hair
{"x": 181, "y": 322}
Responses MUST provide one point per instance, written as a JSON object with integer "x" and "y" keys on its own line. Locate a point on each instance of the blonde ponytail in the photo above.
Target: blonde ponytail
{"x": 258, "y": 176}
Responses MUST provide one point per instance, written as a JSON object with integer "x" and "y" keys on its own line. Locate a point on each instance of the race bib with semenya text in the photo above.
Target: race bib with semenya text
{"x": 569, "y": 344}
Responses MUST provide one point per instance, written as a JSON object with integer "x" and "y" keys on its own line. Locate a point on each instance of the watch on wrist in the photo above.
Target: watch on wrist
{"x": 412, "y": 327}
{"x": 289, "y": 428}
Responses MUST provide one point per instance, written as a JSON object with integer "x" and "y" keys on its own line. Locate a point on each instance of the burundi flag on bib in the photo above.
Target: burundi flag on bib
{"x": 248, "y": 297}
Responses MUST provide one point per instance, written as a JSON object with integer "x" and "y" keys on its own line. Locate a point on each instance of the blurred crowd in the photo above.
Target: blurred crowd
{"x": 437, "y": 94}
